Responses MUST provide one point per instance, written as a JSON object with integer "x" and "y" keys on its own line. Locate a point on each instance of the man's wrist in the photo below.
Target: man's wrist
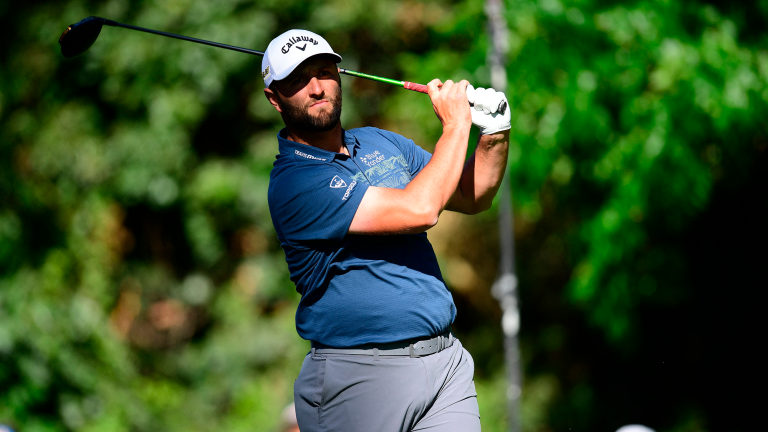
{"x": 492, "y": 139}
{"x": 490, "y": 130}
{"x": 457, "y": 129}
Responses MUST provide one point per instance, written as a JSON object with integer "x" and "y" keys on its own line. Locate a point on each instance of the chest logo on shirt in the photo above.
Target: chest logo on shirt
{"x": 337, "y": 182}
{"x": 391, "y": 172}
{"x": 373, "y": 158}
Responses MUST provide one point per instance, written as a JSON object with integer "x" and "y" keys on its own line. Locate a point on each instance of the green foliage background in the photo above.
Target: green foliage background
{"x": 141, "y": 284}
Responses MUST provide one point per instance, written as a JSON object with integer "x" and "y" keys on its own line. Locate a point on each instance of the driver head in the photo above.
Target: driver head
{"x": 78, "y": 37}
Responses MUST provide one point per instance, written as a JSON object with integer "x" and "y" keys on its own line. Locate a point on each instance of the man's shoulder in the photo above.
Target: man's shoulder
{"x": 370, "y": 133}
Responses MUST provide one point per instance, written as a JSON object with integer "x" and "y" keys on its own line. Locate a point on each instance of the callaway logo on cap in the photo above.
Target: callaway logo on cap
{"x": 288, "y": 50}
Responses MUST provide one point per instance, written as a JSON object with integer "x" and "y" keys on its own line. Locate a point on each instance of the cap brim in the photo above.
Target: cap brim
{"x": 287, "y": 71}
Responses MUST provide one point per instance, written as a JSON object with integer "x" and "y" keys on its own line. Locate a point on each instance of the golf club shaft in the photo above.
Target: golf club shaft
{"x": 405, "y": 84}
{"x": 186, "y": 38}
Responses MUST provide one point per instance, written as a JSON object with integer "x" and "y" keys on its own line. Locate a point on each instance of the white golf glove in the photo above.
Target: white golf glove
{"x": 485, "y": 110}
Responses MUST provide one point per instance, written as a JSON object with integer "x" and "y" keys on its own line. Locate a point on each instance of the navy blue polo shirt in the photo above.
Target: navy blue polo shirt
{"x": 355, "y": 289}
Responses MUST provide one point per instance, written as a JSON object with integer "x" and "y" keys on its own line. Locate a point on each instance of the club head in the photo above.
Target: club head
{"x": 78, "y": 37}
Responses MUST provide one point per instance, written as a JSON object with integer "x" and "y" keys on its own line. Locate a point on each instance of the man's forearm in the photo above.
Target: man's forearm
{"x": 491, "y": 157}
{"x": 417, "y": 207}
{"x": 482, "y": 174}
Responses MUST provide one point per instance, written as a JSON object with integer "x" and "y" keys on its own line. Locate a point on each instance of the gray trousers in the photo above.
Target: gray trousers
{"x": 360, "y": 393}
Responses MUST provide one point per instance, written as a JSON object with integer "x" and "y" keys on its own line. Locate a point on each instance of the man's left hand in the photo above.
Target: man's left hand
{"x": 485, "y": 115}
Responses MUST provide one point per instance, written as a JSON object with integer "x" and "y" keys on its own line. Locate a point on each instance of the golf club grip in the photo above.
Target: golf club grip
{"x": 415, "y": 87}
{"x": 423, "y": 89}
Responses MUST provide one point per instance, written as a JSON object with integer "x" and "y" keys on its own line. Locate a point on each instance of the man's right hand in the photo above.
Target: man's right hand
{"x": 449, "y": 100}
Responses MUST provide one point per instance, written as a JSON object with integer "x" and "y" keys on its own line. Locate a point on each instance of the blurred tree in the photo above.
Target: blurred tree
{"x": 141, "y": 286}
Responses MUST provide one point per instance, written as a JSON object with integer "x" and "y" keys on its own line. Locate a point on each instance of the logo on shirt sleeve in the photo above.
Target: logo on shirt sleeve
{"x": 349, "y": 190}
{"x": 337, "y": 182}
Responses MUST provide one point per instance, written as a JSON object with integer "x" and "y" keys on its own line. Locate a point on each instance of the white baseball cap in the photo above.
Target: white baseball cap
{"x": 288, "y": 50}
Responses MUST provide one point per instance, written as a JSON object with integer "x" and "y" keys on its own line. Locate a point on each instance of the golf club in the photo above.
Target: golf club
{"x": 80, "y": 36}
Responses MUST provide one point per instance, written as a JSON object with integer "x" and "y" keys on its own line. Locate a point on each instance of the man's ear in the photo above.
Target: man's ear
{"x": 272, "y": 98}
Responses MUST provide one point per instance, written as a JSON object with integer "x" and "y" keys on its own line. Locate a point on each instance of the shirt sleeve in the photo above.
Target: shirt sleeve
{"x": 314, "y": 202}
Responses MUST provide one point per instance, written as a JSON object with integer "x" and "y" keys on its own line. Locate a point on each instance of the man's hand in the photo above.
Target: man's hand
{"x": 485, "y": 113}
{"x": 450, "y": 103}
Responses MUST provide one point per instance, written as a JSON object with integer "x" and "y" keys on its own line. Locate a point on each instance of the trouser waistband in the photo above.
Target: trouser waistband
{"x": 419, "y": 348}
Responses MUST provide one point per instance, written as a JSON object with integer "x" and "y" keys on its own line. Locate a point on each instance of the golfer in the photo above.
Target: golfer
{"x": 351, "y": 209}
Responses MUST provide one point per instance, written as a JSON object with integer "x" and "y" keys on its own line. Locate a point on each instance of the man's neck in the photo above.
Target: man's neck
{"x": 332, "y": 140}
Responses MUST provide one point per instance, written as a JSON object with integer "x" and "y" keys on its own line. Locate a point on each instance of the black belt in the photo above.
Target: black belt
{"x": 399, "y": 349}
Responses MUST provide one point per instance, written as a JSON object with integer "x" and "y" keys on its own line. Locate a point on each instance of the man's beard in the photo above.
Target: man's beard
{"x": 299, "y": 119}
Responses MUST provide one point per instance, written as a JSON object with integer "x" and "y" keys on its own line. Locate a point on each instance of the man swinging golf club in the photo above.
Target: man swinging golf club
{"x": 351, "y": 208}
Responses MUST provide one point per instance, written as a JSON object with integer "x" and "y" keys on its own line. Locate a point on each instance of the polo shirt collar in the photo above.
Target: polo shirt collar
{"x": 287, "y": 147}
{"x": 351, "y": 142}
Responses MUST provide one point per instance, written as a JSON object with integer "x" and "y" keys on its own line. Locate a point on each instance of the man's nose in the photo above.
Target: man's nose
{"x": 314, "y": 87}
